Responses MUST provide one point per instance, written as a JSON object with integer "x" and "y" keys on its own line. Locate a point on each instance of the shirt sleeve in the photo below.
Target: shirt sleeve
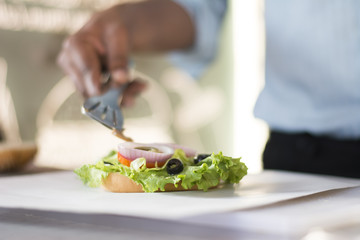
{"x": 207, "y": 16}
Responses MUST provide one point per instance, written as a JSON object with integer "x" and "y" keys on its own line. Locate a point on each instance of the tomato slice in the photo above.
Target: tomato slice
{"x": 127, "y": 162}
{"x": 152, "y": 164}
{"x": 123, "y": 160}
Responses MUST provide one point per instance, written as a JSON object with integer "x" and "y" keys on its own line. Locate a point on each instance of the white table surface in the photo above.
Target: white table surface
{"x": 265, "y": 205}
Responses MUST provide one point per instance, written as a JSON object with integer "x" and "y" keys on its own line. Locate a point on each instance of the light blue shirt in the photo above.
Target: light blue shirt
{"x": 312, "y": 64}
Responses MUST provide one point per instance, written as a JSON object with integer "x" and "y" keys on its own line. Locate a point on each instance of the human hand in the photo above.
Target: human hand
{"x": 102, "y": 45}
{"x": 106, "y": 41}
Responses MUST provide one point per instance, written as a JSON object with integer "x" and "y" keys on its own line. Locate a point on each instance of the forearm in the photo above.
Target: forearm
{"x": 157, "y": 25}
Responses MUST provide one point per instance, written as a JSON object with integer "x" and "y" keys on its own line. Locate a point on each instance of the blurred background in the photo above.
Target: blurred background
{"x": 39, "y": 104}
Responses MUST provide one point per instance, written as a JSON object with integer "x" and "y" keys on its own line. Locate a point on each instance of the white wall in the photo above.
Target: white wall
{"x": 250, "y": 134}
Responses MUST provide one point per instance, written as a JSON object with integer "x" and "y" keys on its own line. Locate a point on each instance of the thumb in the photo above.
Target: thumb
{"x": 119, "y": 76}
{"x": 117, "y": 49}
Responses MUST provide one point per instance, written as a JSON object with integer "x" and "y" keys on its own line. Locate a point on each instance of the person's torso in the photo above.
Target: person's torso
{"x": 312, "y": 67}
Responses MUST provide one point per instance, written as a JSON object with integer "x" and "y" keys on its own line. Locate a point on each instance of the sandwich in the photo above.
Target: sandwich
{"x": 138, "y": 167}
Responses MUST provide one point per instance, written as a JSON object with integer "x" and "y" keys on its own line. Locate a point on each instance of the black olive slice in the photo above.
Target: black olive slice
{"x": 174, "y": 166}
{"x": 108, "y": 163}
{"x": 200, "y": 157}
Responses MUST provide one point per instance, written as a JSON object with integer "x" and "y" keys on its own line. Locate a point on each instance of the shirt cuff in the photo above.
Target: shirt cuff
{"x": 207, "y": 16}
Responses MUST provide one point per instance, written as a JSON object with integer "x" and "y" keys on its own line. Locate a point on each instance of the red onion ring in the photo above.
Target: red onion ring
{"x": 189, "y": 152}
{"x": 128, "y": 150}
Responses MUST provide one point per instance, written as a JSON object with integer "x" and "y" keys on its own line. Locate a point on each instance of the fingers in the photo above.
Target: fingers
{"x": 136, "y": 87}
{"x": 101, "y": 45}
{"x": 72, "y": 72}
{"x": 117, "y": 51}
{"x": 80, "y": 59}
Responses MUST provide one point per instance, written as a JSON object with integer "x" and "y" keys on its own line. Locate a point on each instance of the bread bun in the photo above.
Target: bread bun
{"x": 15, "y": 156}
{"x": 116, "y": 182}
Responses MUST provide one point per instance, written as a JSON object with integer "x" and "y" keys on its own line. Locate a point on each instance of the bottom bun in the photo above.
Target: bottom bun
{"x": 15, "y": 156}
{"x": 116, "y": 182}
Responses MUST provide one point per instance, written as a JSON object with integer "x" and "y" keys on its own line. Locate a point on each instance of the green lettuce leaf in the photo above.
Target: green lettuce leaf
{"x": 205, "y": 174}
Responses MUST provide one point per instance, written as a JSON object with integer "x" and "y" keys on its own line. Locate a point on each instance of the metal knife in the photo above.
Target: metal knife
{"x": 105, "y": 109}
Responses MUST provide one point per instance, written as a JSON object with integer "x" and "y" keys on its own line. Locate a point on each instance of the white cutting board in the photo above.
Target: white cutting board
{"x": 63, "y": 191}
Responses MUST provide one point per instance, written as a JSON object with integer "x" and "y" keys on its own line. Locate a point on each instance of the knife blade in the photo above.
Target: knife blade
{"x": 106, "y": 110}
